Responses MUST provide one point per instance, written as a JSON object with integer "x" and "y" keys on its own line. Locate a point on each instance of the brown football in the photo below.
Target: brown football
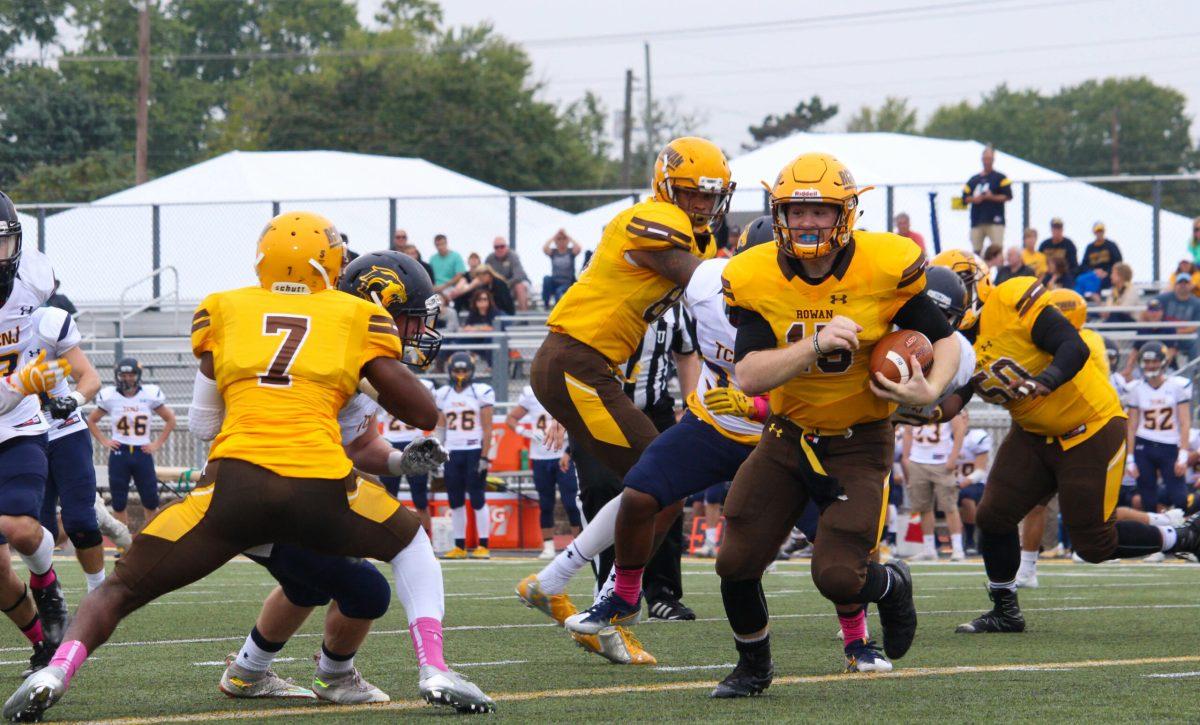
{"x": 892, "y": 353}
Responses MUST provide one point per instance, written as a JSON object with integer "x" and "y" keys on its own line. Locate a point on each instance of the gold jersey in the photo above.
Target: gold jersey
{"x": 614, "y": 300}
{"x": 285, "y": 364}
{"x": 876, "y": 275}
{"x": 1005, "y": 354}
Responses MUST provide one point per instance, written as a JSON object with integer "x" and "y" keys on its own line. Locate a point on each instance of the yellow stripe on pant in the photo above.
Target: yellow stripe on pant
{"x": 590, "y": 407}
{"x": 176, "y": 520}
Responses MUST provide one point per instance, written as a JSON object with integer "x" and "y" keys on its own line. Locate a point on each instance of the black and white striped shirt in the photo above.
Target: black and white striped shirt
{"x": 652, "y": 365}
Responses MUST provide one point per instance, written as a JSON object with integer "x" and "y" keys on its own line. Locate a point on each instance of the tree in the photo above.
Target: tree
{"x": 893, "y": 116}
{"x": 89, "y": 177}
{"x": 22, "y": 20}
{"x": 806, "y": 116}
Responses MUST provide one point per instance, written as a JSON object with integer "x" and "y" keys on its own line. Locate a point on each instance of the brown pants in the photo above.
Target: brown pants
{"x": 846, "y": 477}
{"x": 582, "y": 392}
{"x": 239, "y": 505}
{"x": 1028, "y": 470}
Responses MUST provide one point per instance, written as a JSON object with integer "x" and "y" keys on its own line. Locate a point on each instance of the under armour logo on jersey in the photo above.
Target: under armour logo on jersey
{"x": 835, "y": 299}
{"x": 775, "y": 429}
{"x": 27, "y": 309}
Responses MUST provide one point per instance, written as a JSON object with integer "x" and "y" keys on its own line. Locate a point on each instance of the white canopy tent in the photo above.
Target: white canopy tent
{"x": 210, "y": 216}
{"x": 918, "y": 165}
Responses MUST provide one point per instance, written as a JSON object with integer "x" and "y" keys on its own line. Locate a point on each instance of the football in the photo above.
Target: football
{"x": 893, "y": 352}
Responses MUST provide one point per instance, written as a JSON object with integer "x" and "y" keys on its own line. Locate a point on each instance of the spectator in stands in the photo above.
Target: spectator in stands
{"x": 508, "y": 265}
{"x": 399, "y": 241}
{"x": 481, "y": 314}
{"x": 1152, "y": 314}
{"x": 1059, "y": 246}
{"x": 1030, "y": 256}
{"x": 562, "y": 250}
{"x": 448, "y": 266}
{"x": 1057, "y": 274}
{"x": 1100, "y": 255}
{"x": 59, "y": 300}
{"x": 1124, "y": 294}
{"x": 1014, "y": 266}
{"x": 412, "y": 251}
{"x": 904, "y": 229}
{"x": 987, "y": 192}
{"x": 1185, "y": 267}
{"x": 1194, "y": 242}
{"x": 473, "y": 261}
{"x": 993, "y": 257}
{"x": 1181, "y": 305}
{"x": 484, "y": 277}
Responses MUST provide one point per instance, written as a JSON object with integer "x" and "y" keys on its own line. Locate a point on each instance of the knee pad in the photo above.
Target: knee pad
{"x": 837, "y": 583}
{"x": 986, "y": 519}
{"x": 362, "y": 592}
{"x": 301, "y": 594}
{"x": 85, "y": 539}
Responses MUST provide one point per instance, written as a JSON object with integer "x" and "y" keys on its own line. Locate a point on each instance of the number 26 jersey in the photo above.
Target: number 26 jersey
{"x": 462, "y": 408}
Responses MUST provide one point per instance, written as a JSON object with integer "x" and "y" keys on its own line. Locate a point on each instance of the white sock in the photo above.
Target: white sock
{"x": 254, "y": 658}
{"x": 1169, "y": 537}
{"x": 554, "y": 576}
{"x": 710, "y": 536}
{"x": 42, "y": 558}
{"x": 418, "y": 577}
{"x": 458, "y": 522}
{"x": 1159, "y": 519}
{"x": 609, "y": 584}
{"x": 600, "y": 532}
{"x": 94, "y": 580}
{"x": 1029, "y": 561}
{"x": 891, "y": 518}
{"x": 483, "y": 522}
{"x": 332, "y": 666}
{"x": 930, "y": 543}
{"x": 1011, "y": 586}
{"x": 956, "y": 543}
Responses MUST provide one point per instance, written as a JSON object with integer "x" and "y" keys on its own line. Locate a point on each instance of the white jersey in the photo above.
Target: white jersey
{"x": 131, "y": 415}
{"x": 1193, "y": 472}
{"x": 464, "y": 427}
{"x": 536, "y": 419}
{"x": 55, "y": 332}
{"x": 715, "y": 337}
{"x": 962, "y": 376}
{"x": 396, "y": 430}
{"x": 931, "y": 443}
{"x": 976, "y": 441}
{"x": 355, "y": 417}
{"x": 1119, "y": 383}
{"x": 32, "y": 287}
{"x": 1156, "y": 417}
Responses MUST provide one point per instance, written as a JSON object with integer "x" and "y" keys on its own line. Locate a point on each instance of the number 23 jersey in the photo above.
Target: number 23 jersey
{"x": 462, "y": 408}
{"x": 1005, "y": 353}
{"x": 285, "y": 365}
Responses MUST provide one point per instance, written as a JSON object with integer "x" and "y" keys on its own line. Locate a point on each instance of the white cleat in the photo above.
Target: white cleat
{"x": 1175, "y": 517}
{"x": 924, "y": 556}
{"x": 36, "y": 695}
{"x": 707, "y": 551}
{"x": 1027, "y": 580}
{"x": 447, "y": 687}
{"x": 110, "y": 526}
{"x": 548, "y": 552}
{"x": 347, "y": 688}
{"x": 1155, "y": 558}
{"x": 242, "y": 683}
{"x": 958, "y": 556}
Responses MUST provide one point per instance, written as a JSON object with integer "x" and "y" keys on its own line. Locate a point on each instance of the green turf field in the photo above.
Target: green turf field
{"x": 1104, "y": 643}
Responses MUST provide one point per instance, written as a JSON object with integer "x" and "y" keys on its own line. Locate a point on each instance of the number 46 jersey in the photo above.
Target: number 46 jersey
{"x": 130, "y": 414}
{"x": 464, "y": 428}
{"x": 285, "y": 365}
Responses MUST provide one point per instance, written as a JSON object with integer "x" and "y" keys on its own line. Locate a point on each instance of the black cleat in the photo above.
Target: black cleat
{"x": 42, "y": 654}
{"x": 897, "y": 613}
{"x": 752, "y": 675}
{"x": 671, "y": 609}
{"x": 52, "y": 608}
{"x": 1187, "y": 541}
{"x": 1004, "y": 617}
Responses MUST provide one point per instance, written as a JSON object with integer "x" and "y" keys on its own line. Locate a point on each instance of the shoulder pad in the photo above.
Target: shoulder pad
{"x": 657, "y": 223}
{"x": 51, "y": 323}
{"x": 1019, "y": 293}
{"x": 35, "y": 270}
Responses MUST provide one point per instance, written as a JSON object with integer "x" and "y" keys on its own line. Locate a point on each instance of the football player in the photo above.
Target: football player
{"x": 131, "y": 451}
{"x": 808, "y": 312}
{"x": 1161, "y": 405}
{"x": 465, "y": 410}
{"x": 283, "y": 358}
{"x": 1068, "y": 435}
{"x": 552, "y": 470}
{"x": 930, "y": 457}
{"x": 72, "y": 476}
{"x": 400, "y": 435}
{"x": 970, "y": 474}
{"x": 26, "y": 281}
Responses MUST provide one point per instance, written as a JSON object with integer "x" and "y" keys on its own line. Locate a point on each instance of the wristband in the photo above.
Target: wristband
{"x": 1182, "y": 457}
{"x": 817, "y": 345}
{"x": 394, "y": 460}
{"x": 762, "y": 409}
{"x": 77, "y": 397}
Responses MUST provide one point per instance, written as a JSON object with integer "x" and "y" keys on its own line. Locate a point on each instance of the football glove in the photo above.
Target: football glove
{"x": 61, "y": 408}
{"x": 728, "y": 401}
{"x": 38, "y": 376}
{"x": 418, "y": 458}
{"x": 483, "y": 465}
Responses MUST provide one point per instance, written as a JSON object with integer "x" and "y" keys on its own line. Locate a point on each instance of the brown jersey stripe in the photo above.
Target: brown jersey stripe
{"x": 383, "y": 329}
{"x": 727, "y": 290}
{"x": 380, "y": 320}
{"x": 914, "y": 271}
{"x": 201, "y": 324}
{"x": 1031, "y": 296}
{"x": 654, "y": 230}
{"x": 200, "y": 313}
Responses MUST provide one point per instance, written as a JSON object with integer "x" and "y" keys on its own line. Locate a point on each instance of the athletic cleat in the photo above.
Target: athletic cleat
{"x": 924, "y": 556}
{"x": 1155, "y": 558}
{"x": 242, "y": 683}
{"x": 1004, "y": 617}
{"x": 112, "y": 527}
{"x": 447, "y": 687}
{"x": 556, "y": 606}
{"x": 958, "y": 556}
{"x": 751, "y": 676}
{"x": 1187, "y": 541}
{"x": 608, "y": 611}
{"x": 1175, "y": 517}
{"x": 865, "y": 656}
{"x": 591, "y": 643}
{"x": 456, "y": 553}
{"x": 671, "y": 610}
{"x": 548, "y": 552}
{"x": 481, "y": 552}
{"x": 707, "y": 551}
{"x": 52, "y": 608}
{"x": 1027, "y": 580}
{"x": 619, "y": 646}
{"x": 36, "y": 695}
{"x": 796, "y": 543}
{"x": 897, "y": 613}
{"x": 347, "y": 688}
{"x": 42, "y": 654}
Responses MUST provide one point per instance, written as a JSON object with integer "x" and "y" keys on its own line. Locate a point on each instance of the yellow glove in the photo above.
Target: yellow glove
{"x": 728, "y": 401}
{"x": 40, "y": 376}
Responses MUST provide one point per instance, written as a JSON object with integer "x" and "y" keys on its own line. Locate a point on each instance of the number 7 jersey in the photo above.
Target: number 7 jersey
{"x": 285, "y": 365}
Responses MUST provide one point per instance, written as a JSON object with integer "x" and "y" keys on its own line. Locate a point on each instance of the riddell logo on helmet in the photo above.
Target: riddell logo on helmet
{"x": 806, "y": 193}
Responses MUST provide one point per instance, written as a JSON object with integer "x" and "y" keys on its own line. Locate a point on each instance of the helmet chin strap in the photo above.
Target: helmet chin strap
{"x": 321, "y": 271}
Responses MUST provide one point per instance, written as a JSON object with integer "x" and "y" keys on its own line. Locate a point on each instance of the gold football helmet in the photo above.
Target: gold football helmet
{"x": 299, "y": 252}
{"x": 696, "y": 165}
{"x": 1071, "y": 304}
{"x": 814, "y": 178}
{"x": 974, "y": 273}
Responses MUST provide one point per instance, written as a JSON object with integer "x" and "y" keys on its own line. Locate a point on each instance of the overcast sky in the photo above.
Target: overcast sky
{"x": 735, "y": 61}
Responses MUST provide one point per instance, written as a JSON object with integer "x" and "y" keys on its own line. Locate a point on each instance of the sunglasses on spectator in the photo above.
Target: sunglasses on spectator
{"x": 500, "y": 246}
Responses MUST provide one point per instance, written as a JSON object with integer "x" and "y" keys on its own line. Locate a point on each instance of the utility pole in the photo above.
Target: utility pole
{"x": 1116, "y": 154}
{"x": 143, "y": 93}
{"x": 651, "y": 144}
{"x": 627, "y": 131}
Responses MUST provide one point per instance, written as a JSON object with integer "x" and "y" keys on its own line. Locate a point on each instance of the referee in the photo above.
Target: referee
{"x": 668, "y": 349}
